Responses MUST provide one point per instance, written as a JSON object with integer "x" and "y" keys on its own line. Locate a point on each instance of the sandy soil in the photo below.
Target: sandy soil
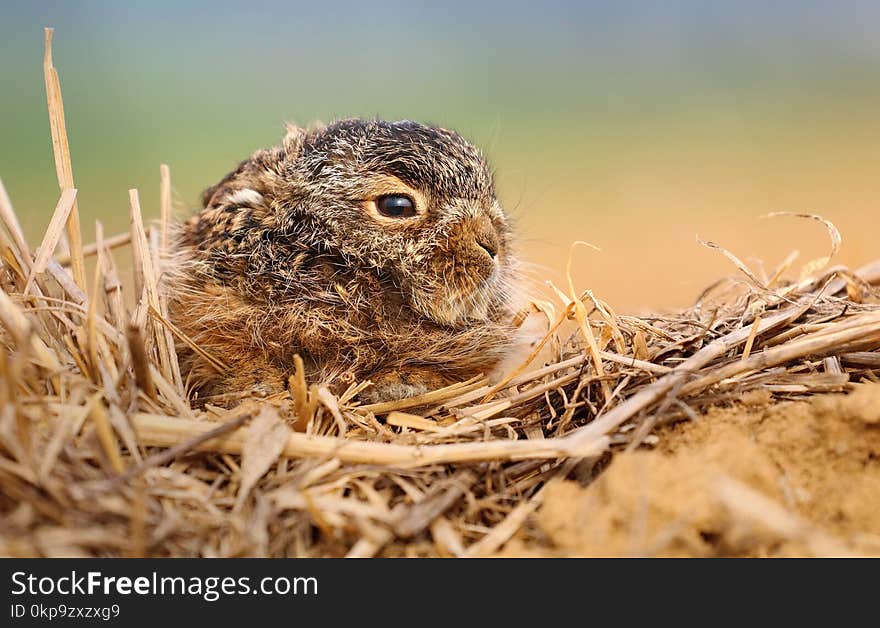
{"x": 761, "y": 479}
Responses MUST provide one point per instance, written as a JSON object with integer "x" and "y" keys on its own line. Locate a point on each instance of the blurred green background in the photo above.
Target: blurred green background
{"x": 633, "y": 125}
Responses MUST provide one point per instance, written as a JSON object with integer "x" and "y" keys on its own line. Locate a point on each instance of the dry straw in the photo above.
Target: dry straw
{"x": 102, "y": 452}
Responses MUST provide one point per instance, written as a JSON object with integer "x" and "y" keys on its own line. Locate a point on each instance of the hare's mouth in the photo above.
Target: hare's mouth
{"x": 457, "y": 304}
{"x": 459, "y": 286}
{"x": 458, "y": 310}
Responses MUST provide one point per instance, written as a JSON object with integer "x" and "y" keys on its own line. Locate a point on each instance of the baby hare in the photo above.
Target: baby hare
{"x": 374, "y": 250}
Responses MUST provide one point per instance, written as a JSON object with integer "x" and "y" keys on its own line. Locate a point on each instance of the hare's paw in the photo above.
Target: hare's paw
{"x": 402, "y": 383}
{"x": 255, "y": 377}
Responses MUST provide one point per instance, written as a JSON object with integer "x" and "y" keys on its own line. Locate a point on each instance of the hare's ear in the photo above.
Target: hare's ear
{"x": 293, "y": 138}
{"x": 224, "y": 185}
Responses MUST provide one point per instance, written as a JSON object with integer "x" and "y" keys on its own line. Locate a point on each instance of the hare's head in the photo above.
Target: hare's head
{"x": 412, "y": 203}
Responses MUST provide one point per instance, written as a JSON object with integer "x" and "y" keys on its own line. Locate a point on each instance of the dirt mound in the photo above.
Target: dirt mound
{"x": 759, "y": 479}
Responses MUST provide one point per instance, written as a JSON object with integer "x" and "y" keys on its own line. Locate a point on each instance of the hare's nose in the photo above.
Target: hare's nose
{"x": 489, "y": 244}
{"x": 486, "y": 237}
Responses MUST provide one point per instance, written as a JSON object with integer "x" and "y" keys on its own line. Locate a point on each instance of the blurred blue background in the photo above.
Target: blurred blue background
{"x": 633, "y": 125}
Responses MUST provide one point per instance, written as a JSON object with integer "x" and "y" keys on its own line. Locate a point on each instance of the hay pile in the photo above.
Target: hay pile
{"x": 103, "y": 453}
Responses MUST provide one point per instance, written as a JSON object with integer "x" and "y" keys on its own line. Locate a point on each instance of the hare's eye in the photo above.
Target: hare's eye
{"x": 396, "y": 206}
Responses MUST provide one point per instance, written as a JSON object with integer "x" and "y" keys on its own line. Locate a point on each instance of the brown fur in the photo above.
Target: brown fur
{"x": 290, "y": 256}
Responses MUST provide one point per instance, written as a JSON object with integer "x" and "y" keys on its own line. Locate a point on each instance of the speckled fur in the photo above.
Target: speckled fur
{"x": 285, "y": 259}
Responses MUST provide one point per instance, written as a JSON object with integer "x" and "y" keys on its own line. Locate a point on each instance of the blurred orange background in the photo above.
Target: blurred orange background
{"x": 635, "y": 126}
